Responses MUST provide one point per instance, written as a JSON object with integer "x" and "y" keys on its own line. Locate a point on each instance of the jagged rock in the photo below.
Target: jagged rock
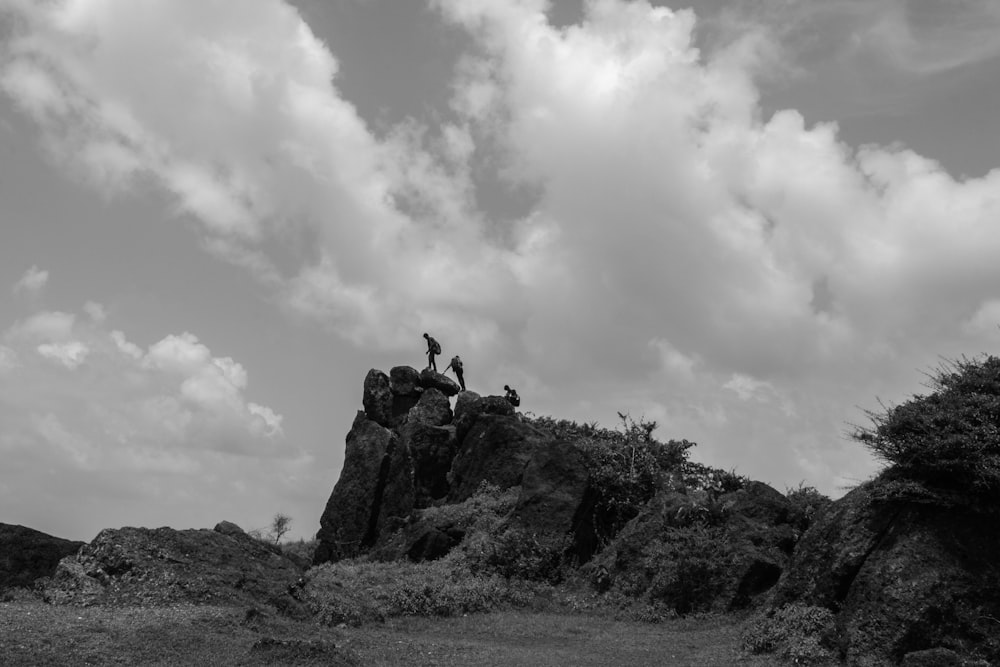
{"x": 467, "y": 402}
{"x": 228, "y": 528}
{"x": 902, "y": 576}
{"x": 144, "y": 566}
{"x": 552, "y": 489}
{"x": 352, "y": 513}
{"x": 405, "y": 381}
{"x": 496, "y": 449}
{"x": 27, "y": 554}
{"x": 377, "y": 398}
{"x": 469, "y": 406}
{"x": 431, "y": 379}
{"x": 432, "y": 449}
{"x": 432, "y": 409}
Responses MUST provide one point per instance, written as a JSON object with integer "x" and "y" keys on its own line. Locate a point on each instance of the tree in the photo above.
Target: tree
{"x": 280, "y": 524}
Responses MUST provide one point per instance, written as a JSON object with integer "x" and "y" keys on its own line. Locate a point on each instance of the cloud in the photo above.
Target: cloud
{"x": 70, "y": 354}
{"x": 745, "y": 279}
{"x": 804, "y": 277}
{"x": 32, "y": 282}
{"x": 88, "y": 413}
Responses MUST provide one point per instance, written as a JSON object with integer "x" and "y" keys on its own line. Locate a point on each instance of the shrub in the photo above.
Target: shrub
{"x": 690, "y": 568}
{"x": 800, "y": 634}
{"x": 949, "y": 438}
{"x": 358, "y": 591}
{"x": 626, "y": 468}
{"x": 485, "y": 507}
{"x": 806, "y": 501}
{"x": 517, "y": 553}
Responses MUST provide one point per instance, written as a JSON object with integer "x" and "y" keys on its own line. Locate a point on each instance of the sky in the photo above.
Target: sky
{"x": 749, "y": 221}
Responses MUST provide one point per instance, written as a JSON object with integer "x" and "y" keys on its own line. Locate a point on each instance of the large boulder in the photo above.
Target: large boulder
{"x": 902, "y": 576}
{"x": 162, "y": 566}
{"x": 552, "y": 489}
{"x": 27, "y": 554}
{"x": 405, "y": 381}
{"x": 377, "y": 398}
{"x": 496, "y": 449}
{"x": 350, "y": 520}
{"x": 431, "y": 379}
{"x": 432, "y": 409}
{"x": 469, "y": 406}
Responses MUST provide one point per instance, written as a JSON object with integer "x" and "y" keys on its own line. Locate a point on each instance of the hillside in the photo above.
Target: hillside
{"x": 445, "y": 509}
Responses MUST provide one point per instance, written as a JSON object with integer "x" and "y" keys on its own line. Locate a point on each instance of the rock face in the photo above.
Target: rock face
{"x": 27, "y": 554}
{"x": 903, "y": 577}
{"x": 143, "y": 566}
{"x": 350, "y": 520}
{"x": 404, "y": 452}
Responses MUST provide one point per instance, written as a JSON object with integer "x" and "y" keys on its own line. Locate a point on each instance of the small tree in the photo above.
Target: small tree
{"x": 280, "y": 524}
{"x": 949, "y": 438}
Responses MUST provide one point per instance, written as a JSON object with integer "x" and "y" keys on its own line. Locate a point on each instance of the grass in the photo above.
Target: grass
{"x": 33, "y": 633}
{"x": 548, "y": 639}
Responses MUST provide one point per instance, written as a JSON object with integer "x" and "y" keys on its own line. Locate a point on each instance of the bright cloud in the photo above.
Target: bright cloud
{"x": 748, "y": 280}
{"x": 96, "y": 411}
{"x": 31, "y": 282}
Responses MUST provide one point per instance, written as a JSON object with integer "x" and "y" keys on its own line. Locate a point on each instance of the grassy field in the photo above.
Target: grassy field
{"x": 32, "y": 633}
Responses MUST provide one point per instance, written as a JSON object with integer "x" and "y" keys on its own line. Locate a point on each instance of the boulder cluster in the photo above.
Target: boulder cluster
{"x": 408, "y": 449}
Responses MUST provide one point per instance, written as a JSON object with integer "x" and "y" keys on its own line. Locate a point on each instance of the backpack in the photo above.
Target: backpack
{"x": 514, "y": 399}
{"x": 456, "y": 363}
{"x": 435, "y": 346}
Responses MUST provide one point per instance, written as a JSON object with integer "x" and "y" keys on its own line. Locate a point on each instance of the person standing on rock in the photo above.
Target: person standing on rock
{"x": 512, "y": 396}
{"x": 456, "y": 365}
{"x": 433, "y": 348}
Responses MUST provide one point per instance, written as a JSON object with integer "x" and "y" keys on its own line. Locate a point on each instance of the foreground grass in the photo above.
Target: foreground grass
{"x": 548, "y": 639}
{"x": 33, "y": 633}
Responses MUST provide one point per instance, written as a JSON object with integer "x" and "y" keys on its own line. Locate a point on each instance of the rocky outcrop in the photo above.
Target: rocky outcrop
{"x": 27, "y": 555}
{"x": 377, "y": 398}
{"x": 409, "y": 450}
{"x": 902, "y": 576}
{"x": 700, "y": 552}
{"x": 496, "y": 449}
{"x": 433, "y": 380}
{"x": 352, "y": 513}
{"x": 148, "y": 567}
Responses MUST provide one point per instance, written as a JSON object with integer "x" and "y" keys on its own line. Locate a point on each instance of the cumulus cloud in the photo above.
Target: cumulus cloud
{"x": 87, "y": 412}
{"x": 746, "y": 280}
{"x": 796, "y": 270}
{"x": 32, "y": 282}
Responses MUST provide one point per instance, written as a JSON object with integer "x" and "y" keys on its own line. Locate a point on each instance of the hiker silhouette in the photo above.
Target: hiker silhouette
{"x": 512, "y": 396}
{"x": 433, "y": 348}
{"x": 456, "y": 365}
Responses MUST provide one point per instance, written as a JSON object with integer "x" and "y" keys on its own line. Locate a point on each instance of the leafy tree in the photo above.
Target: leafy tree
{"x": 949, "y": 438}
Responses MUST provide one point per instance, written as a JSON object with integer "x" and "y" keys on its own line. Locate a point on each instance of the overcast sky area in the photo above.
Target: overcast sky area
{"x": 748, "y": 220}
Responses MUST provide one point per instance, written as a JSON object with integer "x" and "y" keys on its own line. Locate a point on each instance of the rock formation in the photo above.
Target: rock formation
{"x": 149, "y": 567}
{"x": 903, "y": 575}
{"x": 27, "y": 555}
{"x": 404, "y": 453}
{"x": 402, "y": 472}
